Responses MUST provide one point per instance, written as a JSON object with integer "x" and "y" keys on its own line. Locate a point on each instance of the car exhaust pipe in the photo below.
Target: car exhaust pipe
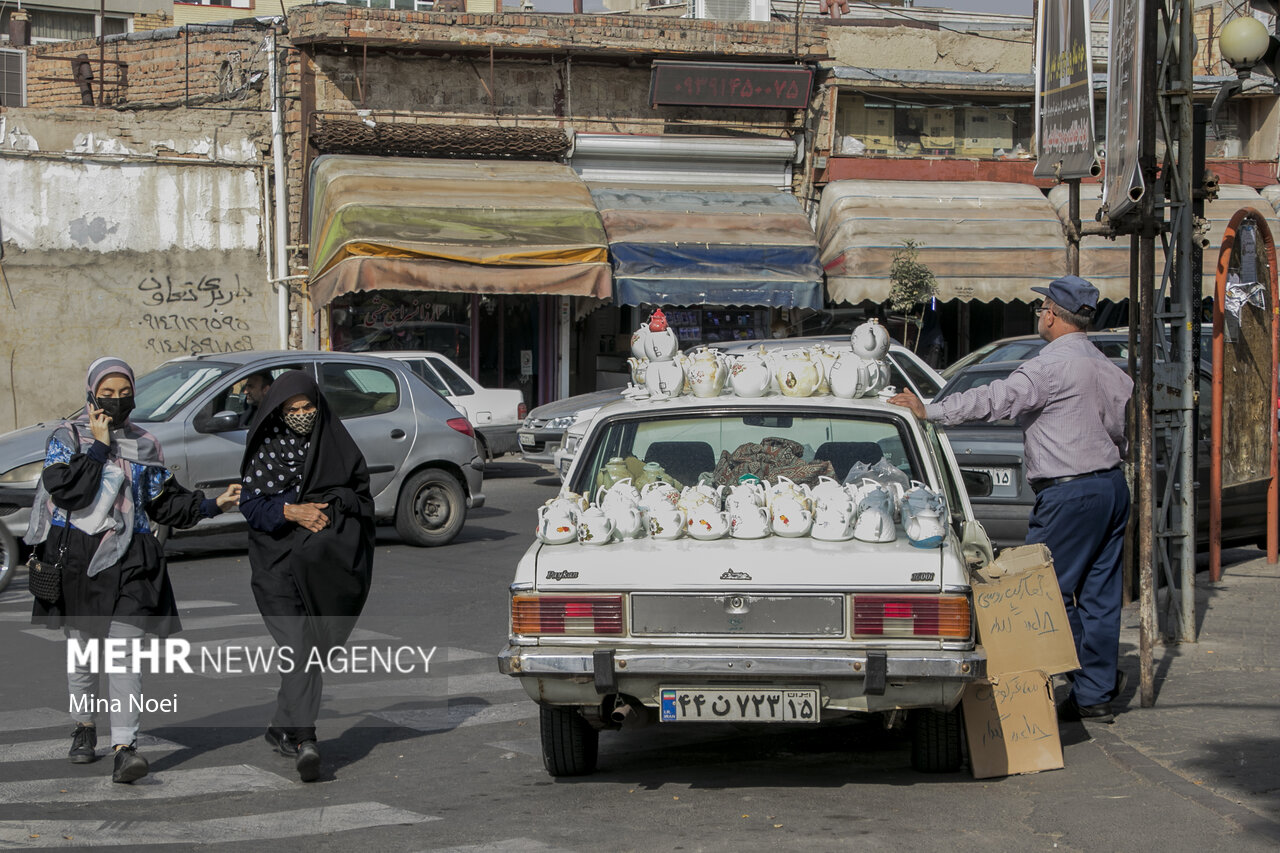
{"x": 629, "y": 713}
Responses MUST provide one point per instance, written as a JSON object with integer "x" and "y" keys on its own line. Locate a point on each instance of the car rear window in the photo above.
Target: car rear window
{"x": 449, "y": 374}
{"x": 721, "y": 447}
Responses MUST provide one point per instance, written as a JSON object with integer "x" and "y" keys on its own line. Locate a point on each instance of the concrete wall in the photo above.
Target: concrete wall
{"x": 931, "y": 50}
{"x": 110, "y": 250}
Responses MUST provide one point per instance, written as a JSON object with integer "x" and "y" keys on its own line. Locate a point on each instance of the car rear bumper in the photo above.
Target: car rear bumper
{"x": 849, "y": 681}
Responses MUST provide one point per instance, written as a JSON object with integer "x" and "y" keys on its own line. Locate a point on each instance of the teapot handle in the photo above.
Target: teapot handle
{"x": 600, "y": 492}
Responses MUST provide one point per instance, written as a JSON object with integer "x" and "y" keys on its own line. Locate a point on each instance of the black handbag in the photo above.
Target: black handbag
{"x": 44, "y": 578}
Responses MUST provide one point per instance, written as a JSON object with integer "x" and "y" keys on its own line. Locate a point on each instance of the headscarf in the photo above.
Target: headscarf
{"x": 129, "y": 445}
{"x": 332, "y": 568}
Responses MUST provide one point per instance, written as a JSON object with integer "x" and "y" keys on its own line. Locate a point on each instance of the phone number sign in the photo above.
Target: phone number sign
{"x": 718, "y": 84}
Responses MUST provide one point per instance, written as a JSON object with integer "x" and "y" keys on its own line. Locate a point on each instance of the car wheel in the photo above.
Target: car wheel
{"x": 569, "y": 744}
{"x": 9, "y": 557}
{"x": 483, "y": 446}
{"x": 935, "y": 740}
{"x": 431, "y": 509}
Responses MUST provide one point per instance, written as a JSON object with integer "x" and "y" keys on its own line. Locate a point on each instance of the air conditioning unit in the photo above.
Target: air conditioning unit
{"x": 733, "y": 10}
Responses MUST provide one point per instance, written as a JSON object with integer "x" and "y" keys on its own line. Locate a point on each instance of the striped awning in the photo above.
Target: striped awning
{"x": 1106, "y": 262}
{"x": 691, "y": 246}
{"x": 983, "y": 240}
{"x": 473, "y": 226}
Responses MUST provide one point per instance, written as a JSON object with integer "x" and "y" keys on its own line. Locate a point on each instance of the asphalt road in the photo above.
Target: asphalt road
{"x": 446, "y": 757}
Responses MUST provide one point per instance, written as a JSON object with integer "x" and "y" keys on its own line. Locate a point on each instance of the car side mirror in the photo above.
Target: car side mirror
{"x": 224, "y": 421}
{"x": 977, "y": 483}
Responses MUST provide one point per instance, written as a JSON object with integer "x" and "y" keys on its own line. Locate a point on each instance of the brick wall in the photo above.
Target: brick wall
{"x": 164, "y": 68}
{"x": 142, "y": 23}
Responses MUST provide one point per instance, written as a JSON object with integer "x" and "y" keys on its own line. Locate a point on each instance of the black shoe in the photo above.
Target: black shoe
{"x": 130, "y": 766}
{"x": 1122, "y": 681}
{"x": 1071, "y": 710}
{"x": 308, "y": 763}
{"x": 281, "y": 742}
{"x": 84, "y": 745}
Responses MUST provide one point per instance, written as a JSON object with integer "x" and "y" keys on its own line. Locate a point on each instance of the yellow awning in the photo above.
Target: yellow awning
{"x": 983, "y": 240}
{"x": 473, "y": 226}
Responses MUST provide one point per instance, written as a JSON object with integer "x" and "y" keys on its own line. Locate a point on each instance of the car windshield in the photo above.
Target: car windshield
{"x": 721, "y": 447}
{"x": 969, "y": 379}
{"x": 165, "y": 390}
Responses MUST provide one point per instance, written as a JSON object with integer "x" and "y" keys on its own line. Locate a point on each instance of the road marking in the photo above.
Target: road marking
{"x": 42, "y": 750}
{"x": 200, "y": 604}
{"x": 459, "y": 716}
{"x": 34, "y": 718}
{"x": 16, "y": 615}
{"x": 294, "y": 823}
{"x": 224, "y": 620}
{"x": 528, "y": 746}
{"x": 165, "y": 784}
{"x": 432, "y": 686}
{"x": 507, "y": 845}
{"x": 451, "y": 654}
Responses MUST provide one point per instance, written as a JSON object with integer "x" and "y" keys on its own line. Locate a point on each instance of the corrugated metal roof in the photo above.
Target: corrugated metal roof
{"x": 1106, "y": 262}
{"x": 983, "y": 240}
{"x": 457, "y": 225}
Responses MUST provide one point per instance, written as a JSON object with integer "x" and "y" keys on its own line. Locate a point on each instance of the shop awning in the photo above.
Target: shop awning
{"x": 1106, "y": 262}
{"x": 472, "y": 226}
{"x": 710, "y": 247}
{"x": 983, "y": 240}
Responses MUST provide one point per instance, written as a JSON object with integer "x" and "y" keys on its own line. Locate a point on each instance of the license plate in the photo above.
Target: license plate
{"x": 1003, "y": 481}
{"x": 527, "y": 440}
{"x": 719, "y": 705}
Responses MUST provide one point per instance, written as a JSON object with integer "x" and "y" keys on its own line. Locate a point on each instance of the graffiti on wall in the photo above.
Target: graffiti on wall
{"x": 195, "y": 316}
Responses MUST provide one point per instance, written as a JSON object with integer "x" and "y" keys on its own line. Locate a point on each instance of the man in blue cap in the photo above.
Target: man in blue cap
{"x": 1070, "y": 401}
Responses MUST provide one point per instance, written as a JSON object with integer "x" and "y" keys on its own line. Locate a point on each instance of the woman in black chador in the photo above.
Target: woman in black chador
{"x": 306, "y": 498}
{"x": 103, "y": 483}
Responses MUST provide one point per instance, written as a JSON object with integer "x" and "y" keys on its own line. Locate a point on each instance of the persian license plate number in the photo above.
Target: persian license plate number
{"x": 527, "y": 439}
{"x": 999, "y": 476}
{"x": 712, "y": 705}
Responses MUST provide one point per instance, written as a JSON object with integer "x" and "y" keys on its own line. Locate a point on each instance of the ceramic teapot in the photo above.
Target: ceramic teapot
{"x": 749, "y": 375}
{"x": 664, "y": 379}
{"x": 666, "y": 522}
{"x": 706, "y": 522}
{"x": 594, "y": 527}
{"x": 639, "y": 368}
{"x": 748, "y": 521}
{"x": 658, "y": 492}
{"x": 797, "y": 372}
{"x": 620, "y": 495}
{"x": 705, "y": 372}
{"x": 877, "y": 377}
{"x": 829, "y": 490}
{"x": 850, "y": 376}
{"x": 790, "y": 517}
{"x": 556, "y": 524}
{"x": 870, "y": 340}
{"x": 785, "y": 489}
{"x": 654, "y": 340}
{"x": 750, "y": 491}
{"x": 628, "y": 521}
{"x": 833, "y": 525}
{"x": 826, "y": 355}
{"x": 703, "y": 493}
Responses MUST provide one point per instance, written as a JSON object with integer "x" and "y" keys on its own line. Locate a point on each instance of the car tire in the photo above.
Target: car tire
{"x": 9, "y": 557}
{"x": 482, "y": 445}
{"x": 569, "y": 744}
{"x": 936, "y": 740}
{"x": 431, "y": 509}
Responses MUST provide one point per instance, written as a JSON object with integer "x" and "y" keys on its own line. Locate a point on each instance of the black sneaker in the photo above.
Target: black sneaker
{"x": 308, "y": 763}
{"x": 84, "y": 745}
{"x": 130, "y": 767}
{"x": 281, "y": 742}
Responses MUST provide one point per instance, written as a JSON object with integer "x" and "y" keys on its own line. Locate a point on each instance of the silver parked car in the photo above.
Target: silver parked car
{"x": 425, "y": 470}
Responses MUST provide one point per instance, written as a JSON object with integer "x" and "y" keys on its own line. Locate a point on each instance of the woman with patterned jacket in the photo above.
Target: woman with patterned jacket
{"x": 103, "y": 484}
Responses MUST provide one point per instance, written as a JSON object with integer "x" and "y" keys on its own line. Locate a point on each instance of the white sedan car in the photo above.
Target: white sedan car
{"x": 495, "y": 413}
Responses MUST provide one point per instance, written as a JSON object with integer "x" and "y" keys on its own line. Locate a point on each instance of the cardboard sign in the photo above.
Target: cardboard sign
{"x": 1011, "y": 725}
{"x": 1022, "y": 622}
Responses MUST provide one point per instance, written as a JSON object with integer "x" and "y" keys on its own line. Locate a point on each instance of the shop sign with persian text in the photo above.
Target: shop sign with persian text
{"x": 719, "y": 84}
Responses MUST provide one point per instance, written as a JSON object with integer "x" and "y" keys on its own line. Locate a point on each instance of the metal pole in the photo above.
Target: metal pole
{"x": 1184, "y": 298}
{"x": 1144, "y": 470}
{"x": 1073, "y": 231}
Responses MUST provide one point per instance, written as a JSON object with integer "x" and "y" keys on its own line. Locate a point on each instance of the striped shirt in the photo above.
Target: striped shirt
{"x": 1069, "y": 400}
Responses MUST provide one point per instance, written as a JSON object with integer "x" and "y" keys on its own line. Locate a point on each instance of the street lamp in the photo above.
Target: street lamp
{"x": 1243, "y": 42}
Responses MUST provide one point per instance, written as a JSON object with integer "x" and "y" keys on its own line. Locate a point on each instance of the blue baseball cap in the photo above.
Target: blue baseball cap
{"x": 1071, "y": 292}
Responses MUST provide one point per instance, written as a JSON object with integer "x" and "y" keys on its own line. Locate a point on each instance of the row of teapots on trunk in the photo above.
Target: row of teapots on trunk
{"x": 660, "y": 370}
{"x": 749, "y": 510}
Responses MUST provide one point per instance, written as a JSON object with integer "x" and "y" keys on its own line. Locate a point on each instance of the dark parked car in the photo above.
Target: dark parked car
{"x": 424, "y": 466}
{"x": 995, "y": 449}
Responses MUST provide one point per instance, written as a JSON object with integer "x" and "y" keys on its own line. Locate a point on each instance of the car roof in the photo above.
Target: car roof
{"x": 686, "y": 403}
{"x": 252, "y": 356}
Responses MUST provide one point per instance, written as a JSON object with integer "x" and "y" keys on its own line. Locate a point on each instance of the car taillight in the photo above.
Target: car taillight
{"x": 462, "y": 425}
{"x": 911, "y": 616}
{"x": 576, "y": 615}
{"x": 522, "y": 411}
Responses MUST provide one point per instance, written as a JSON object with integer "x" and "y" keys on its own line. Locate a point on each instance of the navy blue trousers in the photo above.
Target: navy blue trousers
{"x": 1082, "y": 522}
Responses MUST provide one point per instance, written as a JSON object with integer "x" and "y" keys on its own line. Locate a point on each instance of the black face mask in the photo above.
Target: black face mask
{"x": 116, "y": 408}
